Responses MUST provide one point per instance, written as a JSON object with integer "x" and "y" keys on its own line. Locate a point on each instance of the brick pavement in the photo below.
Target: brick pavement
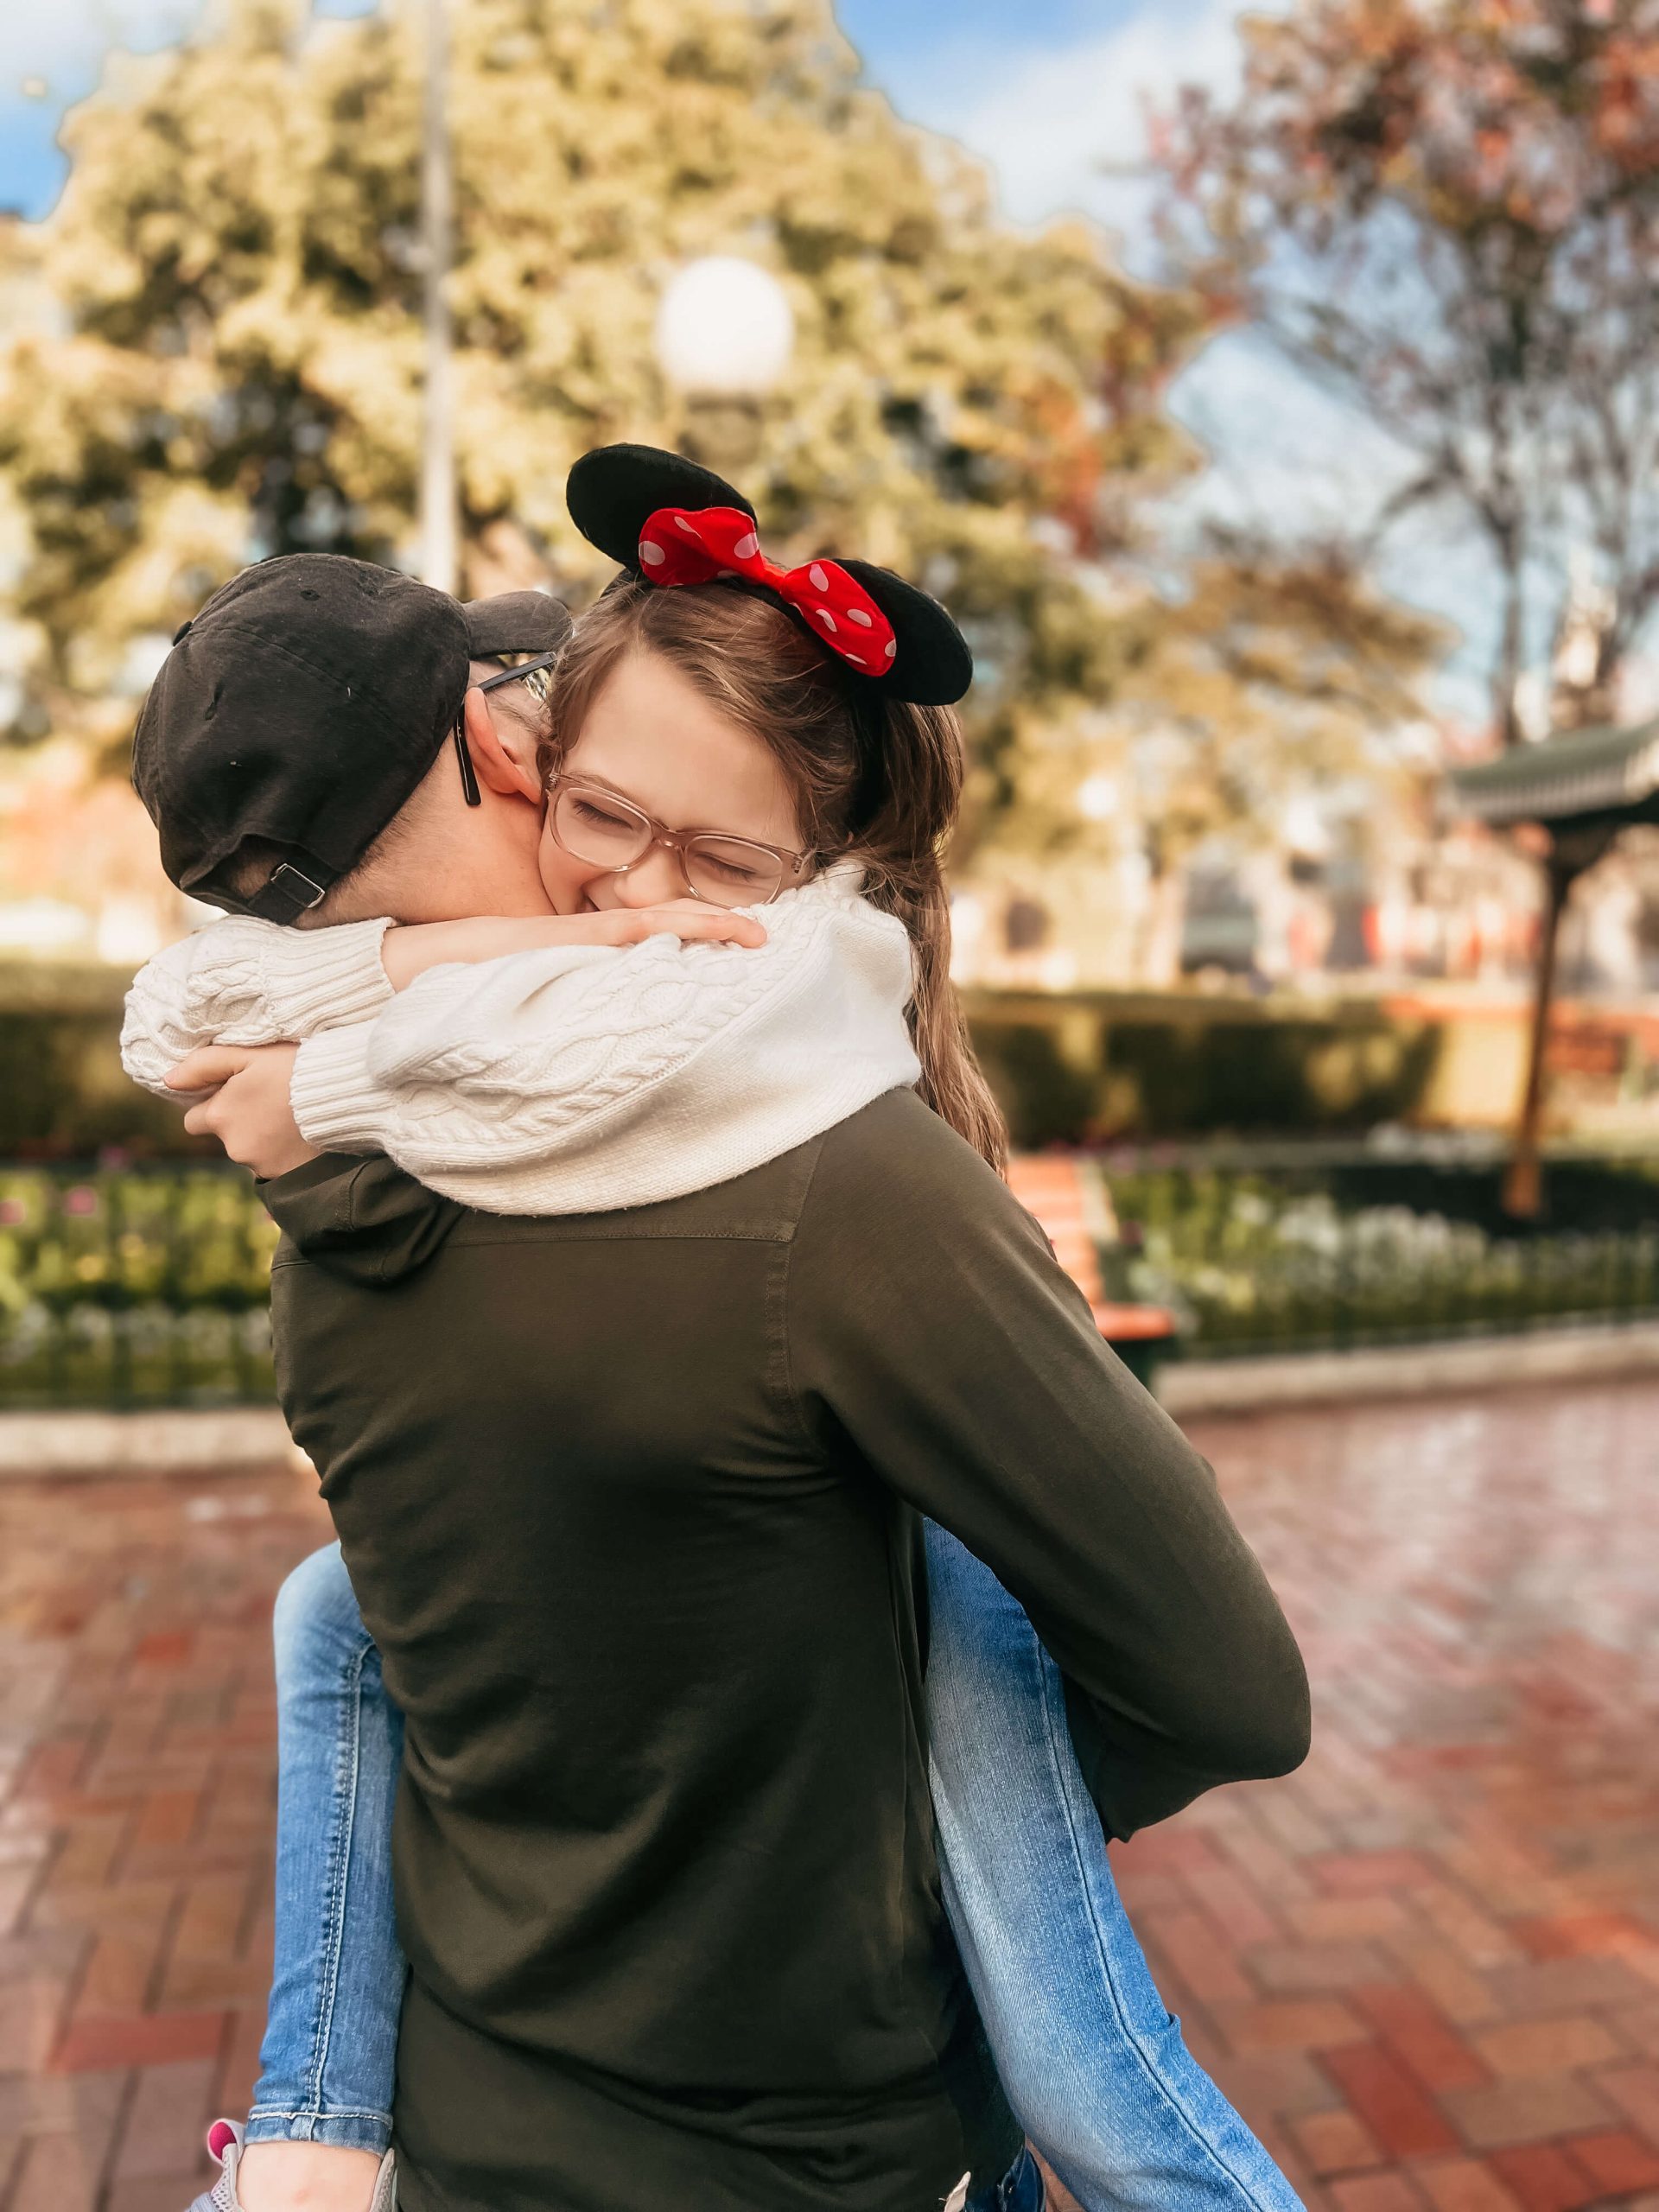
{"x": 135, "y": 1825}
{"x": 1426, "y": 1967}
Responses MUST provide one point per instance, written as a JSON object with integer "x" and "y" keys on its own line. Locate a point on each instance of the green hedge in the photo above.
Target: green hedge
{"x": 148, "y": 1286}
{"x": 1089, "y": 1069}
{"x": 63, "y": 1092}
{"x": 138, "y": 1286}
{"x": 1253, "y": 1261}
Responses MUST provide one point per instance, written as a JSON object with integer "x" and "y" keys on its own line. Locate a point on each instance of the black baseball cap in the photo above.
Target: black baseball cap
{"x": 300, "y": 710}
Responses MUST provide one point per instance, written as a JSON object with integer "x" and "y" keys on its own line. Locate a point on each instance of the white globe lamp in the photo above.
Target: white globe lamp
{"x": 1098, "y": 797}
{"x": 724, "y": 329}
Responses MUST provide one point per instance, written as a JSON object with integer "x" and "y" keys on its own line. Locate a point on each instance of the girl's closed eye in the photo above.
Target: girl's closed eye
{"x": 601, "y": 817}
{"x": 739, "y": 873}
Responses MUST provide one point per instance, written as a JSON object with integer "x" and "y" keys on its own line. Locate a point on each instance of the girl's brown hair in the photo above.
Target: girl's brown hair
{"x": 880, "y": 784}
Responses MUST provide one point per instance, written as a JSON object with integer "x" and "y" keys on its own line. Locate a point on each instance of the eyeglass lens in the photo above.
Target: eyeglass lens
{"x": 592, "y": 826}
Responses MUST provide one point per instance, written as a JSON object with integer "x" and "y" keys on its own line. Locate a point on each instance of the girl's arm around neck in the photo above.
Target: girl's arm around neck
{"x": 580, "y": 1076}
{"x": 409, "y": 951}
{"x": 244, "y": 981}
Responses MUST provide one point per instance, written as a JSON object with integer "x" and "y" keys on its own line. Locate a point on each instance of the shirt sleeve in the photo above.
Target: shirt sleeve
{"x": 362, "y": 1219}
{"x": 930, "y": 1327}
{"x": 245, "y": 982}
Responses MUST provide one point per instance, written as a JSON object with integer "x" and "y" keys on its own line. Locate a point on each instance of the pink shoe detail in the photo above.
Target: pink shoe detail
{"x": 225, "y": 2141}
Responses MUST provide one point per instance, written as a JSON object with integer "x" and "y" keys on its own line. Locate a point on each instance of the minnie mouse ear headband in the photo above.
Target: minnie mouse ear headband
{"x": 669, "y": 522}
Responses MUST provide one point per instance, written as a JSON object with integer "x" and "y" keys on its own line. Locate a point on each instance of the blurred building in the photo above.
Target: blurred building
{"x": 80, "y": 878}
{"x": 1416, "y": 903}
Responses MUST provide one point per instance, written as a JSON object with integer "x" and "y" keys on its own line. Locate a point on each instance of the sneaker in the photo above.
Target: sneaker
{"x": 225, "y": 2143}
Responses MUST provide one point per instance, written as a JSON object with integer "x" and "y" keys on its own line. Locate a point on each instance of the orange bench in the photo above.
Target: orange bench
{"x": 1073, "y": 1207}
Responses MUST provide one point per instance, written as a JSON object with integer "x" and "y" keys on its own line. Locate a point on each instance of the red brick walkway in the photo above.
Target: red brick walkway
{"x": 1428, "y": 1966}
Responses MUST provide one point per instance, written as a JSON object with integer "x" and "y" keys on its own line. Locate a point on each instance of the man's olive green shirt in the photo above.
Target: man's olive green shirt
{"x": 630, "y": 1502}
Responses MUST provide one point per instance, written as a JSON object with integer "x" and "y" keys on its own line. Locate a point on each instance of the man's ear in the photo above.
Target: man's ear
{"x": 503, "y": 752}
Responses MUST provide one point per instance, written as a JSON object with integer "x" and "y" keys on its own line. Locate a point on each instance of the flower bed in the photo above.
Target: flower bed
{"x": 1250, "y": 1263}
{"x": 133, "y": 1287}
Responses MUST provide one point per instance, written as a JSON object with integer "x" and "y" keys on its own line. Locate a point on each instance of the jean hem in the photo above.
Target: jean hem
{"x": 342, "y": 2131}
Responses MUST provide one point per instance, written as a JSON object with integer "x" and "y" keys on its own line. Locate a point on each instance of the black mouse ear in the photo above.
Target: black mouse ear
{"x": 931, "y": 666}
{"x": 613, "y": 492}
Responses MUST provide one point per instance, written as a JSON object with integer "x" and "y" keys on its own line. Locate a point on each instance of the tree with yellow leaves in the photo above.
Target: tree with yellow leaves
{"x": 232, "y": 366}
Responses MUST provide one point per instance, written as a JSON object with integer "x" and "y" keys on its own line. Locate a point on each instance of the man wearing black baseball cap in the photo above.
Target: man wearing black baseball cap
{"x": 306, "y": 709}
{"x": 333, "y": 744}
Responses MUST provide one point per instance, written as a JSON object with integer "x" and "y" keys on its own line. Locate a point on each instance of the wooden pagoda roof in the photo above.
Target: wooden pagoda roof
{"x": 1603, "y": 774}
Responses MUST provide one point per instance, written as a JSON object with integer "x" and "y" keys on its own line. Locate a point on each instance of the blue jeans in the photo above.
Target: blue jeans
{"x": 326, "y": 2065}
{"x": 1093, "y": 2065}
{"x": 1090, "y": 2059}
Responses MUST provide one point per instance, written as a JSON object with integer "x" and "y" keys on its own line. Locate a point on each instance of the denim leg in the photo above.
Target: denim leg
{"x": 330, "y": 2035}
{"x": 1094, "y": 2066}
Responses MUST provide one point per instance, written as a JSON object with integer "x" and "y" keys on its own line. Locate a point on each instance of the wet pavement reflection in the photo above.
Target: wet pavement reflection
{"x": 1426, "y": 1967}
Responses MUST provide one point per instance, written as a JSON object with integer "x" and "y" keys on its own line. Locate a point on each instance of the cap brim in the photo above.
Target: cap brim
{"x": 515, "y": 622}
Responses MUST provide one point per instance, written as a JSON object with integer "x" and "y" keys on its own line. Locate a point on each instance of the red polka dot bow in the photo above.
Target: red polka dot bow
{"x": 701, "y": 545}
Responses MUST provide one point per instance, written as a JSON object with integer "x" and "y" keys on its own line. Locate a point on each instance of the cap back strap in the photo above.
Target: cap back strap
{"x": 286, "y": 895}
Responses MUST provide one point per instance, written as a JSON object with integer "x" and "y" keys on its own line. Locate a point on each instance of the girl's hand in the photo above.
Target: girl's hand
{"x": 409, "y": 951}
{"x": 246, "y": 1104}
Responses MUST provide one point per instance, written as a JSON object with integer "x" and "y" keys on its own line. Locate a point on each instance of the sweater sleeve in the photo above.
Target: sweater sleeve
{"x": 243, "y": 982}
{"x": 930, "y": 1327}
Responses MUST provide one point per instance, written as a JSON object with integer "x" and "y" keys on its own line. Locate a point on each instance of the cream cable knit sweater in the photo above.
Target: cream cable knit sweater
{"x": 575, "y": 1080}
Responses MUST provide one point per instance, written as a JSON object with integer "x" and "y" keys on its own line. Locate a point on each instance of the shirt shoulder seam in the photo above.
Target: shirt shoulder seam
{"x": 462, "y": 1243}
{"x": 791, "y": 1390}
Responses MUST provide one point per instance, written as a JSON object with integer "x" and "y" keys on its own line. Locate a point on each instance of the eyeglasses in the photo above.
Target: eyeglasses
{"x": 536, "y": 674}
{"x": 597, "y": 828}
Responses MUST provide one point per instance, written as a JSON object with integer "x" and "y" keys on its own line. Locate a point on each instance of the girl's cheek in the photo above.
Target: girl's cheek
{"x": 564, "y": 880}
{"x": 554, "y": 869}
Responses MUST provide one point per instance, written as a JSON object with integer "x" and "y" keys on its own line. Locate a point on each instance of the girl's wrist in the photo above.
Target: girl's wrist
{"x": 408, "y": 949}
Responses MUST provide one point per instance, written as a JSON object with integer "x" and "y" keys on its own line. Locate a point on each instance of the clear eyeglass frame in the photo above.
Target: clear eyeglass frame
{"x": 779, "y": 868}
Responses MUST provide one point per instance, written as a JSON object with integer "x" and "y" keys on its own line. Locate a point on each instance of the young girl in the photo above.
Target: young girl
{"x": 561, "y": 1080}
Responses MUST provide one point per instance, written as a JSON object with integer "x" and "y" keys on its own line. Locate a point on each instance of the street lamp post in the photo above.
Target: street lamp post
{"x": 439, "y": 532}
{"x": 724, "y": 337}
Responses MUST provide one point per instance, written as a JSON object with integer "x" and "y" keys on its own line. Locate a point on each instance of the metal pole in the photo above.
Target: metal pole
{"x": 440, "y": 531}
{"x": 1523, "y": 1181}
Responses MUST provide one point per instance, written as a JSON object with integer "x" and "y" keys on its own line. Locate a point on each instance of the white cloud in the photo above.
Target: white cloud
{"x": 66, "y": 43}
{"x": 1048, "y": 121}
{"x": 1282, "y": 452}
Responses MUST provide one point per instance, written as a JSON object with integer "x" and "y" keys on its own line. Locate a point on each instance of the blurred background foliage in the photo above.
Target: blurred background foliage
{"x": 1448, "y": 216}
{"x": 145, "y": 1285}
{"x": 224, "y": 362}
